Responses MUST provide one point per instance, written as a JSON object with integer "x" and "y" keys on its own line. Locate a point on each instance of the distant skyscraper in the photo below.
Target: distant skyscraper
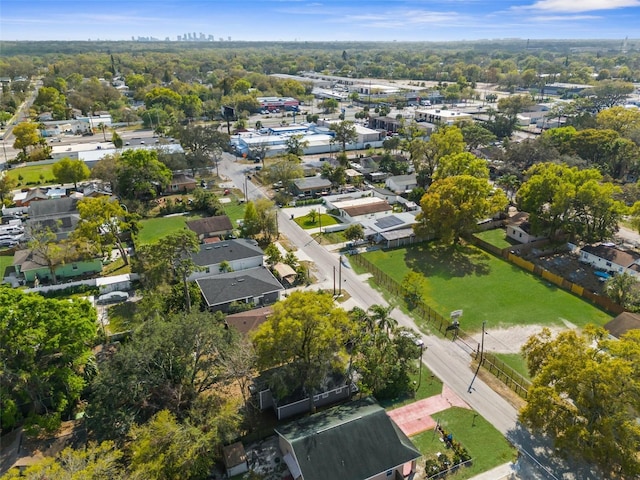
{"x": 179, "y": 37}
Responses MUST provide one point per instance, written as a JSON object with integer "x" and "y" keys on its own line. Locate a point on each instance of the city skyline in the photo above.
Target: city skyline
{"x": 327, "y": 20}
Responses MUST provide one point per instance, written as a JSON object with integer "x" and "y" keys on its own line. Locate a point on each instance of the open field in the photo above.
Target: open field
{"x": 152, "y": 229}
{"x": 430, "y": 385}
{"x": 486, "y": 288}
{"x": 486, "y": 445}
{"x": 31, "y": 175}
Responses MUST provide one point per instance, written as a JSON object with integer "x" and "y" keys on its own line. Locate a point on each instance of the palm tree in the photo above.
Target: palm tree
{"x": 381, "y": 317}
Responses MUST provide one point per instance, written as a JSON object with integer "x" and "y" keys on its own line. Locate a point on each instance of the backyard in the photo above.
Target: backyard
{"x": 5, "y": 262}
{"x": 323, "y": 220}
{"x": 153, "y": 229}
{"x": 33, "y": 175}
{"x": 486, "y": 288}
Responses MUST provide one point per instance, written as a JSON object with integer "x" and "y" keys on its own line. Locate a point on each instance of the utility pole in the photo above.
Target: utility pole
{"x": 340, "y": 275}
{"x": 481, "y": 358}
{"x": 334, "y": 280}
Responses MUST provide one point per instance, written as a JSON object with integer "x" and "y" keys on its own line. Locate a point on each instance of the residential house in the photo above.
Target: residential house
{"x": 181, "y": 183}
{"x": 336, "y": 388}
{"x": 31, "y": 265}
{"x": 519, "y": 229}
{"x": 59, "y": 214}
{"x": 622, "y": 324}
{"x": 217, "y": 226}
{"x": 401, "y": 184}
{"x": 310, "y": 186}
{"x": 608, "y": 257}
{"x": 354, "y": 441}
{"x": 385, "y": 194}
{"x": 24, "y": 199}
{"x": 255, "y": 286}
{"x": 248, "y": 320}
{"x": 352, "y": 210}
{"x": 239, "y": 254}
{"x": 392, "y": 230}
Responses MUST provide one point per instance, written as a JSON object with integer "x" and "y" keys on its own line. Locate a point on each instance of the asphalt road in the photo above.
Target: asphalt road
{"x": 449, "y": 360}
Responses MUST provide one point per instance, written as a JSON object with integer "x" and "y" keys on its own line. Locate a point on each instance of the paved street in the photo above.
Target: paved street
{"x": 448, "y": 360}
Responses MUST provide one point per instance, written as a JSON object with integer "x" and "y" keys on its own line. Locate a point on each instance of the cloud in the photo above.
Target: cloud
{"x": 568, "y": 6}
{"x": 404, "y": 18}
{"x": 562, "y": 18}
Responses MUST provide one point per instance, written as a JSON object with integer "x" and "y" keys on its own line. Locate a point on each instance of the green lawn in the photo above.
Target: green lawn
{"x": 153, "y": 229}
{"x": 515, "y": 361}
{"x": 234, "y": 210}
{"x": 485, "y": 287}
{"x": 31, "y": 175}
{"x": 497, "y": 237}
{"x": 5, "y": 262}
{"x": 486, "y": 445}
{"x": 324, "y": 220}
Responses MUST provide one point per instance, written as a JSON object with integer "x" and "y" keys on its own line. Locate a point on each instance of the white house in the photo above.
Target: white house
{"x": 607, "y": 257}
{"x": 519, "y": 229}
{"x": 401, "y": 183}
{"x": 240, "y": 254}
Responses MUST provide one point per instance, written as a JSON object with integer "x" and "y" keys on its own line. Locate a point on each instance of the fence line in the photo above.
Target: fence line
{"x": 515, "y": 382}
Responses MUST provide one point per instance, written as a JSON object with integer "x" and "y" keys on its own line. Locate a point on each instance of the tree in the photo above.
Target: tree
{"x": 251, "y": 221}
{"x": 140, "y": 175}
{"x": 285, "y": 171}
{"x": 43, "y": 244}
{"x": 313, "y": 215}
{"x": 45, "y": 345}
{"x": 584, "y": 396}
{"x": 354, "y": 232}
{"x": 345, "y": 132}
{"x": 305, "y": 336}
{"x": 165, "y": 449}
{"x": 201, "y": 143}
{"x": 7, "y": 184}
{"x": 67, "y": 170}
{"x": 461, "y": 164}
{"x": 116, "y": 139}
{"x": 620, "y": 119}
{"x": 565, "y": 199}
{"x": 452, "y": 207}
{"x": 608, "y": 93}
{"x": 381, "y": 316}
{"x": 425, "y": 156}
{"x": 622, "y": 289}
{"x": 475, "y": 135}
{"x": 296, "y": 145}
{"x": 105, "y": 223}
{"x": 267, "y": 218}
{"x": 329, "y": 105}
{"x": 273, "y": 254}
{"x": 27, "y": 135}
{"x": 514, "y": 104}
{"x": 105, "y": 169}
{"x": 99, "y": 462}
{"x": 412, "y": 283}
{"x": 172, "y": 362}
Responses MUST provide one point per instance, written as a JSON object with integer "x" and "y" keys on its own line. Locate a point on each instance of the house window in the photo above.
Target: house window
{"x": 325, "y": 395}
{"x": 74, "y": 266}
{"x": 608, "y": 264}
{"x": 389, "y": 473}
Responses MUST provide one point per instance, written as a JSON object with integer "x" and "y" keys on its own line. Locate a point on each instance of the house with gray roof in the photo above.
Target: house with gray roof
{"x": 354, "y": 441}
{"x": 611, "y": 259}
{"x": 255, "y": 286}
{"x": 310, "y": 186}
{"x": 59, "y": 214}
{"x": 239, "y": 254}
{"x": 401, "y": 183}
{"x": 216, "y": 226}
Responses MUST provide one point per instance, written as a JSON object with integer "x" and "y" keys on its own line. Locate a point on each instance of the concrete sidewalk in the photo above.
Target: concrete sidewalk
{"x": 505, "y": 471}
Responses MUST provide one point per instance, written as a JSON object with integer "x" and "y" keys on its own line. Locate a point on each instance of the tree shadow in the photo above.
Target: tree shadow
{"x": 539, "y": 460}
{"x": 447, "y": 261}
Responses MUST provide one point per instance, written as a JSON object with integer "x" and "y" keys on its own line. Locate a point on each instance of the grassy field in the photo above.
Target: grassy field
{"x": 324, "y": 220}
{"x": 497, "y": 237}
{"x": 5, "y": 262}
{"x": 486, "y": 445}
{"x": 234, "y": 210}
{"x": 152, "y": 229}
{"x": 485, "y": 287}
{"x": 31, "y": 175}
{"x": 515, "y": 361}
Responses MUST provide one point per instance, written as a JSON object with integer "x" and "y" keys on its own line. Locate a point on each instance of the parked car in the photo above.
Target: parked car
{"x": 113, "y": 297}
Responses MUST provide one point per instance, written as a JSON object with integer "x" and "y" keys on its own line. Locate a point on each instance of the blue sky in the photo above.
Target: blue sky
{"x": 302, "y": 20}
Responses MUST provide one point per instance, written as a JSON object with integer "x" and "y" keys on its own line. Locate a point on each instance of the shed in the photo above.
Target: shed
{"x": 235, "y": 459}
{"x": 285, "y": 273}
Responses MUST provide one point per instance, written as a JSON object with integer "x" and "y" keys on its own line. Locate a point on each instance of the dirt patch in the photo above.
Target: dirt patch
{"x": 568, "y": 266}
{"x": 510, "y": 340}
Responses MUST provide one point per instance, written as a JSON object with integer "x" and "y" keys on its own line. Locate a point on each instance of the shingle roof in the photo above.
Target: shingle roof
{"x": 249, "y": 320}
{"x": 233, "y": 286}
{"x": 229, "y": 250}
{"x": 619, "y": 257}
{"x": 353, "y": 441}
{"x": 367, "y": 209}
{"x": 203, "y": 226}
{"x": 623, "y": 323}
{"x": 57, "y": 206}
{"x": 403, "y": 179}
{"x": 311, "y": 182}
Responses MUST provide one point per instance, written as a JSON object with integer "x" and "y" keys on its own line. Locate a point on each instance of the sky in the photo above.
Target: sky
{"x": 322, "y": 20}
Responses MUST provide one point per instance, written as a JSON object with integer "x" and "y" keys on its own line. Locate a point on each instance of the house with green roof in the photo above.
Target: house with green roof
{"x": 354, "y": 441}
